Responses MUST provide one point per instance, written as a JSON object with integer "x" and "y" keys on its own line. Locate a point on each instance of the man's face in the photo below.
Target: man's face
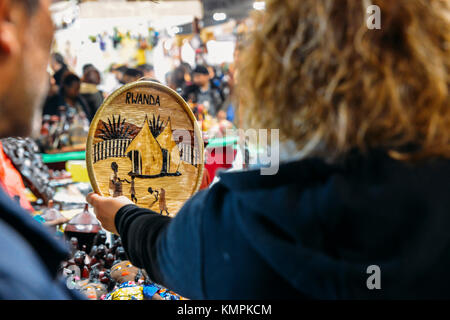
{"x": 24, "y": 77}
{"x": 127, "y": 78}
{"x": 149, "y": 74}
{"x": 118, "y": 75}
{"x": 73, "y": 90}
{"x": 201, "y": 79}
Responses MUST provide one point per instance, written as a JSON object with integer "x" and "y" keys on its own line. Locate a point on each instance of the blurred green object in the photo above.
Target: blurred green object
{"x": 63, "y": 157}
{"x": 222, "y": 142}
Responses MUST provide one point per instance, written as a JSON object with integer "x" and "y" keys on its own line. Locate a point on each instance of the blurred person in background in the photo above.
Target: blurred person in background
{"x": 29, "y": 255}
{"x": 86, "y": 67}
{"x": 89, "y": 89}
{"x": 180, "y": 78}
{"x": 69, "y": 96}
{"x": 204, "y": 90}
{"x": 364, "y": 172}
{"x": 53, "y": 90}
{"x": 59, "y": 67}
{"x": 169, "y": 80}
{"x": 214, "y": 77}
{"x": 132, "y": 75}
{"x": 111, "y": 80}
{"x": 147, "y": 70}
{"x": 119, "y": 72}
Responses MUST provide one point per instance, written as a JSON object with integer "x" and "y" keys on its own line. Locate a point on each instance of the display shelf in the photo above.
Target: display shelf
{"x": 63, "y": 157}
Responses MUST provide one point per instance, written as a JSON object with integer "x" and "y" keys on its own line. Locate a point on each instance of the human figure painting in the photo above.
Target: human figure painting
{"x": 135, "y": 147}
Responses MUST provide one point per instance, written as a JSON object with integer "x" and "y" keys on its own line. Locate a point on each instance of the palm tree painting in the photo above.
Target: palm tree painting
{"x": 116, "y": 130}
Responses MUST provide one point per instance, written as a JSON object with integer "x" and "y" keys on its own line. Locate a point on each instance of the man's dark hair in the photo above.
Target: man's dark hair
{"x": 201, "y": 70}
{"x": 121, "y": 69}
{"x": 178, "y": 76}
{"x": 135, "y": 73}
{"x": 145, "y": 67}
{"x": 70, "y": 78}
{"x": 87, "y": 66}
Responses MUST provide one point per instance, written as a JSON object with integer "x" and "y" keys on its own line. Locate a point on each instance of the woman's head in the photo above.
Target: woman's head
{"x": 313, "y": 69}
{"x": 71, "y": 85}
{"x": 92, "y": 75}
{"x": 57, "y": 62}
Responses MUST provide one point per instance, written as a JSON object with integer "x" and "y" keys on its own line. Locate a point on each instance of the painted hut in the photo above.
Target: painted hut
{"x": 145, "y": 153}
{"x": 170, "y": 151}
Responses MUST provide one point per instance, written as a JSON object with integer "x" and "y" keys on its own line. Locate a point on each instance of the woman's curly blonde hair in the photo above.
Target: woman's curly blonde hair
{"x": 314, "y": 70}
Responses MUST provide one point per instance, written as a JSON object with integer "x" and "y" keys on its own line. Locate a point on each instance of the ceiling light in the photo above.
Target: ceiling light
{"x": 259, "y": 5}
{"x": 219, "y": 16}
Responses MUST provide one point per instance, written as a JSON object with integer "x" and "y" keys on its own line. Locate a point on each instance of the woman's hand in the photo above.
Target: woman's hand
{"x": 106, "y": 208}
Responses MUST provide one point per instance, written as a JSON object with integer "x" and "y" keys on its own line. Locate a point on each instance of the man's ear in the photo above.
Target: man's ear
{"x": 9, "y": 37}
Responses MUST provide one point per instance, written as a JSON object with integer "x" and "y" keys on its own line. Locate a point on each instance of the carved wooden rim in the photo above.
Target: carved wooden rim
{"x": 111, "y": 97}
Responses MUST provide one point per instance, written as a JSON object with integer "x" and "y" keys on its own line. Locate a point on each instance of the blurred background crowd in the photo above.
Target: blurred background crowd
{"x": 191, "y": 46}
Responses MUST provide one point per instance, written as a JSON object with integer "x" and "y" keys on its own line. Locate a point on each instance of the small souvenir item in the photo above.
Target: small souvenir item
{"x": 80, "y": 261}
{"x": 116, "y": 242}
{"x": 144, "y": 143}
{"x": 99, "y": 256}
{"x": 94, "y": 290}
{"x": 52, "y": 216}
{"x": 84, "y": 222}
{"x": 72, "y": 274}
{"x": 100, "y": 238}
{"x": 121, "y": 255}
{"x": 109, "y": 260}
{"x": 93, "y": 250}
{"x": 73, "y": 244}
{"x": 84, "y": 226}
{"x": 129, "y": 287}
{"x": 127, "y": 276}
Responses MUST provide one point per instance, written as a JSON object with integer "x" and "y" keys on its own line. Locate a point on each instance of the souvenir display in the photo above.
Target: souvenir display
{"x": 24, "y": 155}
{"x": 144, "y": 143}
{"x": 106, "y": 274}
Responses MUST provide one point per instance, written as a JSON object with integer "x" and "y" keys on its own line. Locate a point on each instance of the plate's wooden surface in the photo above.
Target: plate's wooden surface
{"x": 144, "y": 143}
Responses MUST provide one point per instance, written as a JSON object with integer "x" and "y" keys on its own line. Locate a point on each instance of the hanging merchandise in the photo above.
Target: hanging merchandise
{"x": 101, "y": 41}
{"x": 153, "y": 37}
{"x": 84, "y": 226}
{"x": 116, "y": 38}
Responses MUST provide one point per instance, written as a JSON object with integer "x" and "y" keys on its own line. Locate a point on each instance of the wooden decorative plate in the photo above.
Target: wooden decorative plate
{"x": 144, "y": 143}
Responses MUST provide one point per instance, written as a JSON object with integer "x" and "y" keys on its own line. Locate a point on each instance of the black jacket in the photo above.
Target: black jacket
{"x": 59, "y": 75}
{"x": 93, "y": 102}
{"x": 310, "y": 231}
